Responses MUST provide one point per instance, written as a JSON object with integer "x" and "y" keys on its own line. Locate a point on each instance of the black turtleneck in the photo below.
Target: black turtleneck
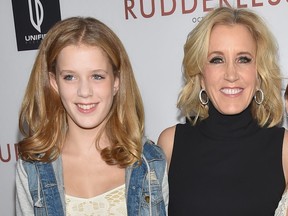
{"x": 226, "y": 165}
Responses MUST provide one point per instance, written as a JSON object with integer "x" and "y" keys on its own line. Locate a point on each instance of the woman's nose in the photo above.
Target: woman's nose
{"x": 231, "y": 73}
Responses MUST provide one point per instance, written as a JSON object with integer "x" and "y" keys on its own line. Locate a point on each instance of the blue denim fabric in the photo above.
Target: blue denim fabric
{"x": 141, "y": 196}
{"x": 143, "y": 181}
{"x": 44, "y": 190}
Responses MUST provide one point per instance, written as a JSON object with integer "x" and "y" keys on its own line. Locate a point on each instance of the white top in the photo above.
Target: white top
{"x": 282, "y": 206}
{"x": 110, "y": 203}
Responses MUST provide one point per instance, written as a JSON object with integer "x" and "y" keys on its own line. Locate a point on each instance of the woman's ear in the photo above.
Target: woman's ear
{"x": 258, "y": 85}
{"x": 202, "y": 83}
{"x": 53, "y": 82}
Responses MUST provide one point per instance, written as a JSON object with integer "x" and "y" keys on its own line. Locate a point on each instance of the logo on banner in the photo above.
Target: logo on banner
{"x": 134, "y": 9}
{"x": 8, "y": 153}
{"x": 32, "y": 19}
{"x": 39, "y": 14}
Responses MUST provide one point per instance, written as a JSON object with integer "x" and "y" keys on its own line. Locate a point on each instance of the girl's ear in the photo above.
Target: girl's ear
{"x": 53, "y": 81}
{"x": 116, "y": 85}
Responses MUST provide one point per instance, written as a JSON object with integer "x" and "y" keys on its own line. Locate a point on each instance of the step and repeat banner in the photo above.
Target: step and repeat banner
{"x": 153, "y": 32}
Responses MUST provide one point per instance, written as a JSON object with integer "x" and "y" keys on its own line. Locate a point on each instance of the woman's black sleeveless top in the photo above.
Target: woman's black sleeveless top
{"x": 226, "y": 166}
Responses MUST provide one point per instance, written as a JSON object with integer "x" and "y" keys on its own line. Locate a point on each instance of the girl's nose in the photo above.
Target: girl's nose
{"x": 84, "y": 89}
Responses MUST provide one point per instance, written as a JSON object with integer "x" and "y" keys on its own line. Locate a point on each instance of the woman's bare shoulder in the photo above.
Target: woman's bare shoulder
{"x": 166, "y": 142}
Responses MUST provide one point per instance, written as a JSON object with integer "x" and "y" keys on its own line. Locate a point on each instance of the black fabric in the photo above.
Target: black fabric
{"x": 226, "y": 166}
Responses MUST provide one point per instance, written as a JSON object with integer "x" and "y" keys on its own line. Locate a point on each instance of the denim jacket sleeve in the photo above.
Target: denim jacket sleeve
{"x": 147, "y": 184}
{"x": 42, "y": 189}
{"x": 24, "y": 202}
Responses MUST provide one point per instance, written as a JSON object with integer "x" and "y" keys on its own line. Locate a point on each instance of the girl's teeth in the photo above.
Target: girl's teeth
{"x": 86, "y": 107}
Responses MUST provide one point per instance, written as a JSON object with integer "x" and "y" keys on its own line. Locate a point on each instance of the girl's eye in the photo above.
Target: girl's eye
{"x": 216, "y": 60}
{"x": 97, "y": 77}
{"x": 244, "y": 59}
{"x": 69, "y": 77}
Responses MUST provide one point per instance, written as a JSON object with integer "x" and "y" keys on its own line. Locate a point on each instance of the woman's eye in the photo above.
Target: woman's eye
{"x": 97, "y": 77}
{"x": 244, "y": 59}
{"x": 216, "y": 60}
{"x": 68, "y": 77}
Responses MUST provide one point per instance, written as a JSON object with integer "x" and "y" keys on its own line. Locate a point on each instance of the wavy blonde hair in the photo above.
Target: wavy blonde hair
{"x": 42, "y": 118}
{"x": 270, "y": 112}
{"x": 286, "y": 93}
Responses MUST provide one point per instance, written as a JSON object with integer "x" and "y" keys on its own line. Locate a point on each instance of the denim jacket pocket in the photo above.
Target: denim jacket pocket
{"x": 38, "y": 203}
{"x": 154, "y": 196}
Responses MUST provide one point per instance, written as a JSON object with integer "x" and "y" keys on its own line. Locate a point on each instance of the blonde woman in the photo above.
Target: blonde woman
{"x": 227, "y": 158}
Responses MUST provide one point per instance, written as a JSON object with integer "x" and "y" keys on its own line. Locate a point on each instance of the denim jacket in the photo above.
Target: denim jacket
{"x": 146, "y": 186}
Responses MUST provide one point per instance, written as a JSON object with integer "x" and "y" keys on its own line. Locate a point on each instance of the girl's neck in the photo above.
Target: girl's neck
{"x": 83, "y": 141}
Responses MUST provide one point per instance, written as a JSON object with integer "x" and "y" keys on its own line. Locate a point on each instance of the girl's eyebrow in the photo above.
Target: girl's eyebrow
{"x": 66, "y": 71}
{"x": 100, "y": 70}
{"x": 72, "y": 71}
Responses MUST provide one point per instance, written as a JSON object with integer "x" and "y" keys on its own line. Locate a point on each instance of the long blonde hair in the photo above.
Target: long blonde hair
{"x": 42, "y": 118}
{"x": 270, "y": 112}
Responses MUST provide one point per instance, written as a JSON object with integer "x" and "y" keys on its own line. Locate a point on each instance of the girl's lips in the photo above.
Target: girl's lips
{"x": 86, "y": 108}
